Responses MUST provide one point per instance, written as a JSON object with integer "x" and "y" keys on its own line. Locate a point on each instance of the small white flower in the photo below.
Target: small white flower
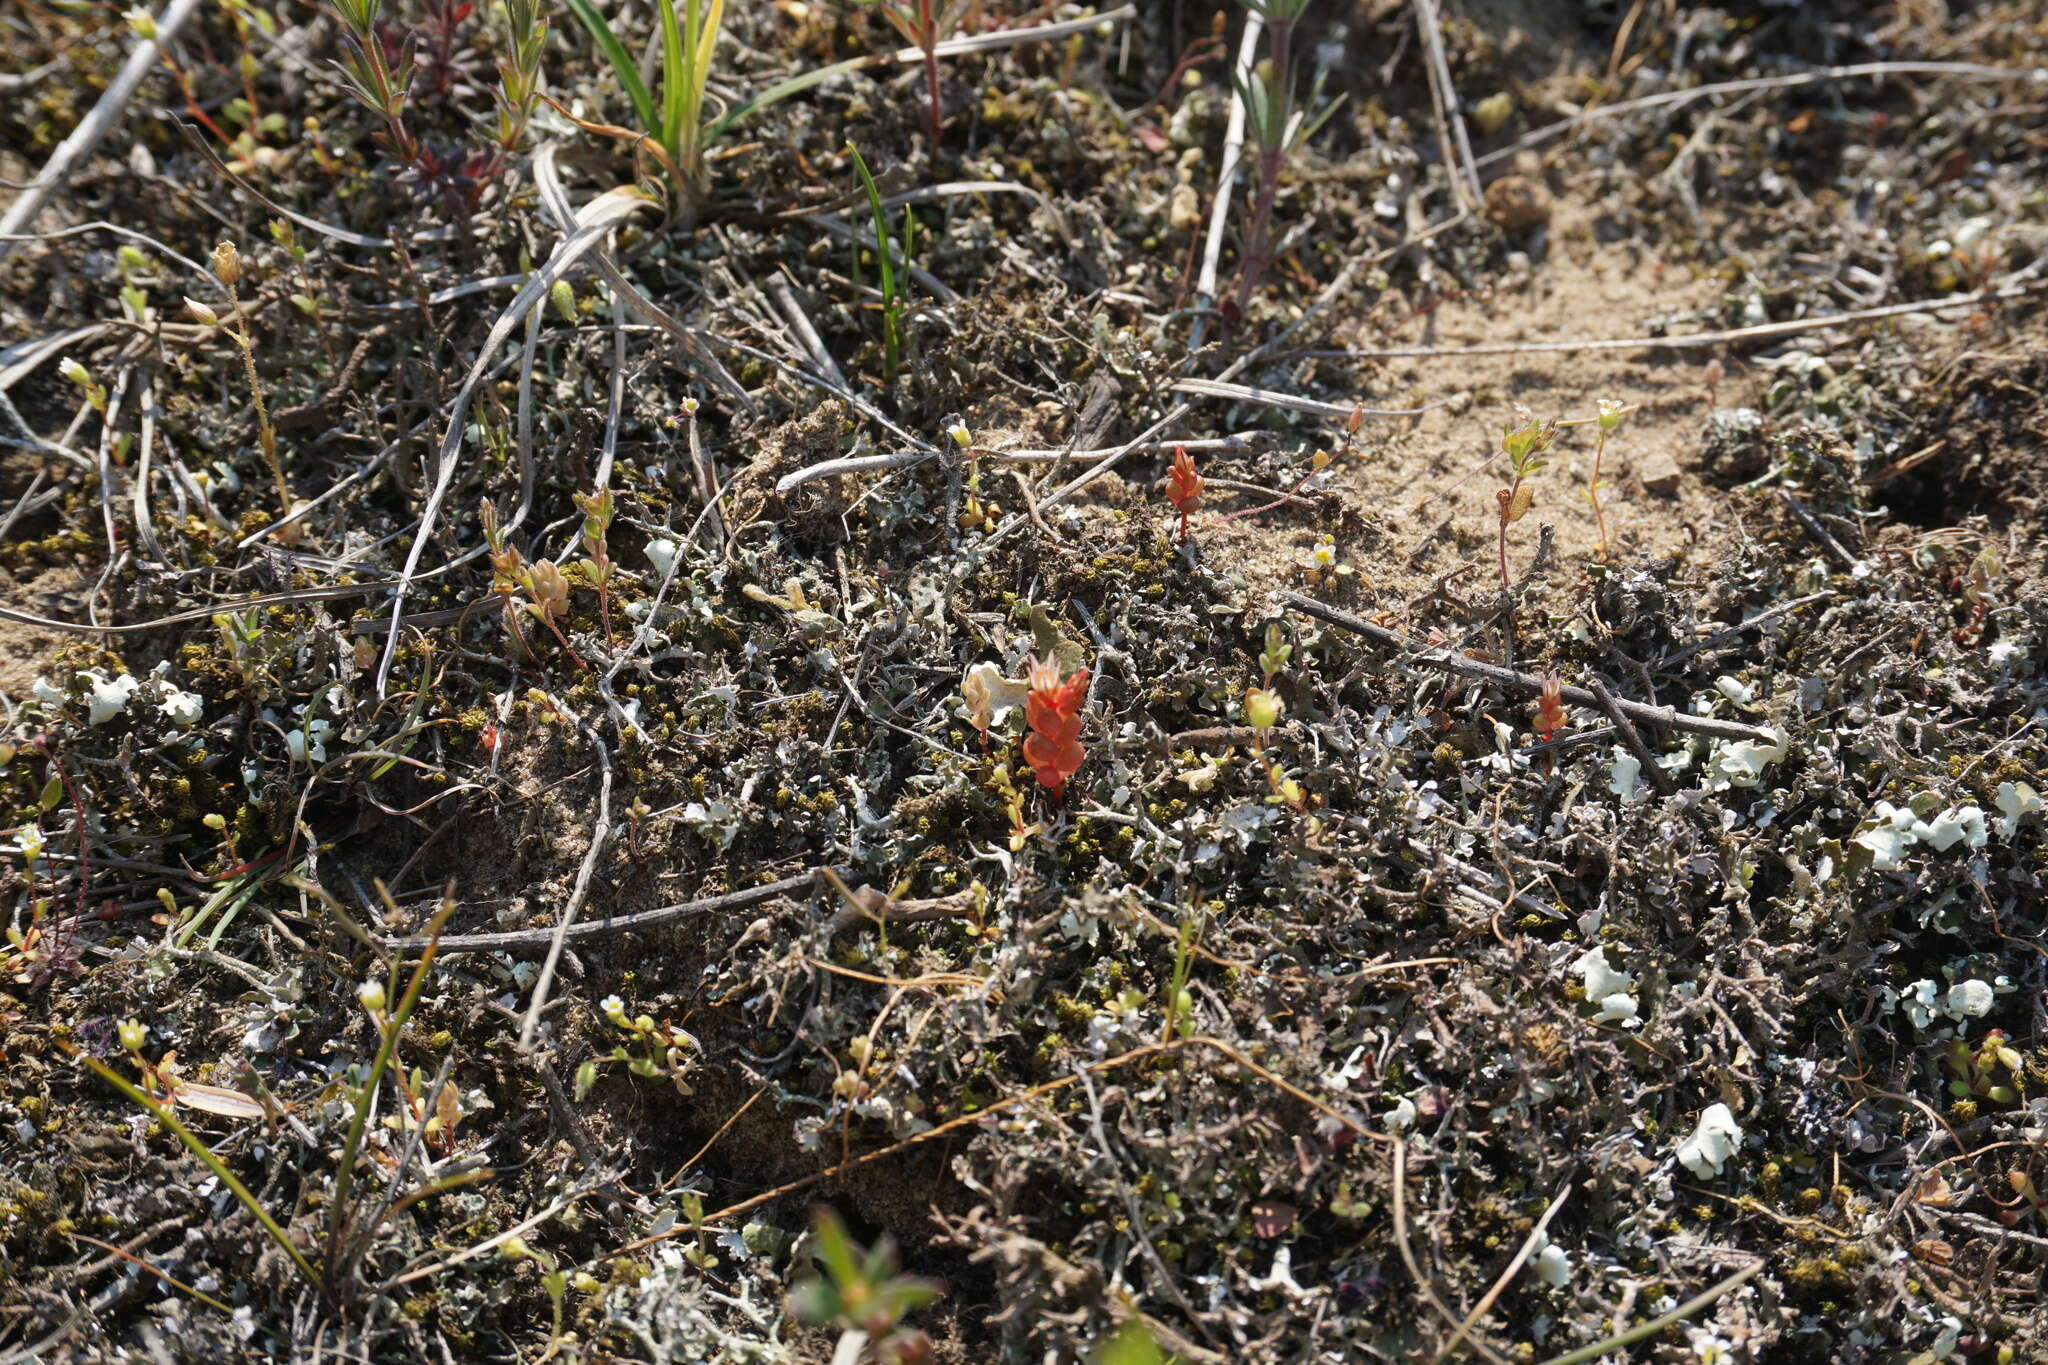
{"x": 1712, "y": 1350}
{"x": 1325, "y": 553}
{"x": 614, "y": 1009}
{"x": 183, "y": 709}
{"x": 109, "y": 698}
{"x": 960, "y": 435}
{"x": 1715, "y": 1139}
{"x": 1969, "y": 1000}
{"x": 30, "y": 844}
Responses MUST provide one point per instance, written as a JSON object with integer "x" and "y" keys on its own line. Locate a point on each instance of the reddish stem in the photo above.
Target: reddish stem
{"x": 1599, "y": 514}
{"x": 928, "y": 27}
{"x": 1507, "y": 500}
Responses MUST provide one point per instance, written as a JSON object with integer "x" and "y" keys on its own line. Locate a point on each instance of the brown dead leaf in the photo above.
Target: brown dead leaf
{"x": 212, "y": 1099}
{"x": 1934, "y": 1251}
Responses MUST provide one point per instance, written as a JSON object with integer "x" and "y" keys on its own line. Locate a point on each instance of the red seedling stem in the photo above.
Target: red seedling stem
{"x": 1550, "y": 717}
{"x": 1184, "y": 487}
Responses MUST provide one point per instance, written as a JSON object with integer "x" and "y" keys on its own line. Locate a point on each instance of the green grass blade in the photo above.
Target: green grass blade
{"x": 163, "y": 1115}
{"x": 621, "y": 63}
{"x": 675, "y": 81}
{"x": 891, "y": 343}
{"x": 702, "y": 38}
{"x": 1656, "y": 1325}
{"x": 782, "y": 90}
{"x": 714, "y": 20}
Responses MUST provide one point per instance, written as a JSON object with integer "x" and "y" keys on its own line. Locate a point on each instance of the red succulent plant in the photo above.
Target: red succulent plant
{"x": 1052, "y": 709}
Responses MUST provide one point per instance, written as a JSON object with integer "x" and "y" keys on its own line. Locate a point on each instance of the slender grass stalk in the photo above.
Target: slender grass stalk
{"x": 351, "y": 1146}
{"x": 892, "y": 303}
{"x": 187, "y": 1290}
{"x": 227, "y": 267}
{"x": 162, "y": 1114}
{"x": 1656, "y": 1325}
{"x": 1179, "y": 1008}
{"x": 1609, "y": 418}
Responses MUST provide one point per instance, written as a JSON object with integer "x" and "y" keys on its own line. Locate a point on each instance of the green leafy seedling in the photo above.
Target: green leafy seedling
{"x": 861, "y": 1291}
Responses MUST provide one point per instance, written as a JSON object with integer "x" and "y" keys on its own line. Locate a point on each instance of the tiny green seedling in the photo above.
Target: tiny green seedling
{"x": 892, "y": 298}
{"x": 1278, "y": 127}
{"x": 1180, "y": 1005}
{"x": 1262, "y": 711}
{"x": 861, "y": 1293}
{"x": 1987, "y": 1072}
{"x": 518, "y": 92}
{"x": 378, "y": 84}
{"x": 538, "y": 589}
{"x": 1526, "y": 444}
{"x": 1610, "y": 417}
{"x": 227, "y": 268}
{"x": 596, "y": 567}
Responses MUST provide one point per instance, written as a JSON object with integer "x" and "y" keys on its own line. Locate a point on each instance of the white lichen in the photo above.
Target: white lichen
{"x": 2016, "y": 800}
{"x": 108, "y": 697}
{"x": 1899, "y": 828}
{"x": 1624, "y": 775}
{"x": 661, "y": 553}
{"x": 1610, "y": 991}
{"x": 1741, "y": 762}
{"x": 308, "y": 740}
{"x": 1714, "y": 1140}
{"x": 1970, "y": 999}
{"x": 183, "y": 709}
